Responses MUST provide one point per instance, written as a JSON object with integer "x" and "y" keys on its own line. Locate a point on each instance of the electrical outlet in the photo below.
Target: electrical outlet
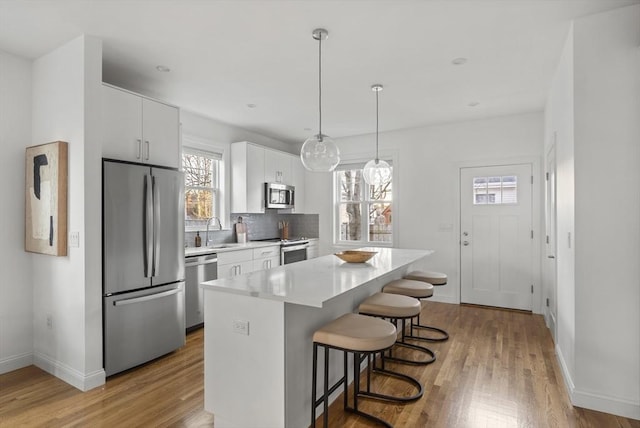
{"x": 74, "y": 239}
{"x": 241, "y": 327}
{"x": 49, "y": 321}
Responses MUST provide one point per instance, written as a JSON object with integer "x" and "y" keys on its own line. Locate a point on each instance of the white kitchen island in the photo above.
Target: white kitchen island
{"x": 259, "y": 327}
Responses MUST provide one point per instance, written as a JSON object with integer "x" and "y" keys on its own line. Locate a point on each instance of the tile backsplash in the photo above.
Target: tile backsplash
{"x": 261, "y": 226}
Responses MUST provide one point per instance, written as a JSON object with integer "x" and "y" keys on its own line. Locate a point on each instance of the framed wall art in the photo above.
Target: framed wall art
{"x": 46, "y": 199}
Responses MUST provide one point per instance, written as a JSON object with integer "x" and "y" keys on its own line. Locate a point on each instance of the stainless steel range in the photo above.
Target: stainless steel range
{"x": 291, "y": 250}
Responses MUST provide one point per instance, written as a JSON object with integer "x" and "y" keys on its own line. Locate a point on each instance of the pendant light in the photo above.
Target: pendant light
{"x": 376, "y": 172}
{"x": 320, "y": 153}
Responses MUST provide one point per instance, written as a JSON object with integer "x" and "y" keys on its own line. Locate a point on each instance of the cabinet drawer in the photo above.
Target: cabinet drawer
{"x": 266, "y": 252}
{"x": 234, "y": 256}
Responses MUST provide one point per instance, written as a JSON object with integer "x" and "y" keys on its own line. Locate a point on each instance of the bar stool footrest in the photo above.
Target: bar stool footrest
{"x": 444, "y": 337}
{"x": 432, "y": 355}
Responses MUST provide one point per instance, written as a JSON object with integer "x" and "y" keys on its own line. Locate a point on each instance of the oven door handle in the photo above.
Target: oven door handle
{"x": 295, "y": 248}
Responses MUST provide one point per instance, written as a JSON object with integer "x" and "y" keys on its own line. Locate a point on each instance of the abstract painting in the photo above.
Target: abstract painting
{"x": 46, "y": 199}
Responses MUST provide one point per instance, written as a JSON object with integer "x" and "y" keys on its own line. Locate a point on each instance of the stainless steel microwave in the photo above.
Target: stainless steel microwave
{"x": 278, "y": 195}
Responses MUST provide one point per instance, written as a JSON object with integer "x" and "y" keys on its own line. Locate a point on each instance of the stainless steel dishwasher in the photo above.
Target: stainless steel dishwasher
{"x": 197, "y": 269}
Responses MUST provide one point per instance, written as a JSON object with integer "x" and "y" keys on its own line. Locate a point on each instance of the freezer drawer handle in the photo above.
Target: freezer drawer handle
{"x": 146, "y": 298}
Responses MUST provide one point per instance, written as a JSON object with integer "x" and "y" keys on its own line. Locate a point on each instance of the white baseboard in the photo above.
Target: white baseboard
{"x": 601, "y": 403}
{"x": 443, "y": 299}
{"x": 71, "y": 376}
{"x": 16, "y": 362}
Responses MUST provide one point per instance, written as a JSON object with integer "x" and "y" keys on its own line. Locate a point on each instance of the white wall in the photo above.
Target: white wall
{"x": 607, "y": 211}
{"x": 427, "y": 161}
{"x": 69, "y": 288}
{"x": 559, "y": 120}
{"x": 16, "y": 292}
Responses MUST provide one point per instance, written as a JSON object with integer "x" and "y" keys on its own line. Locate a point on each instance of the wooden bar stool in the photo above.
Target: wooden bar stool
{"x": 417, "y": 289}
{"x": 363, "y": 337}
{"x": 396, "y": 308}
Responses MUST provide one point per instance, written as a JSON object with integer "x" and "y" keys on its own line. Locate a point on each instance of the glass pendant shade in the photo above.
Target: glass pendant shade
{"x": 320, "y": 154}
{"x": 376, "y": 172}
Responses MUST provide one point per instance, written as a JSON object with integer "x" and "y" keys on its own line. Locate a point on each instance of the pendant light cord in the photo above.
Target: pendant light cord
{"x": 320, "y": 88}
{"x": 377, "y": 158}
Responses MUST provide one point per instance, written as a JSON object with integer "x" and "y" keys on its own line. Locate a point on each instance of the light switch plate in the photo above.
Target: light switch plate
{"x": 74, "y": 239}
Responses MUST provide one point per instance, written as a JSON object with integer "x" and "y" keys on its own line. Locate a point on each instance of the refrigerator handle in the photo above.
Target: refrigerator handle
{"x": 156, "y": 227}
{"x": 148, "y": 227}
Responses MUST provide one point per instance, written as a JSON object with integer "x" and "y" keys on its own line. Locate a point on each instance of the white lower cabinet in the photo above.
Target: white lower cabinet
{"x": 238, "y": 262}
{"x": 313, "y": 250}
{"x": 266, "y": 257}
{"x": 234, "y": 263}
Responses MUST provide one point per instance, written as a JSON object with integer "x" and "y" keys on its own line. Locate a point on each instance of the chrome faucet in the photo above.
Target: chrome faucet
{"x": 206, "y": 238}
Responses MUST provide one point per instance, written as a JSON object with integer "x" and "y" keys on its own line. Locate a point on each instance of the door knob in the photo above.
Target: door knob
{"x": 465, "y": 233}
{"x": 465, "y": 243}
{"x": 551, "y": 257}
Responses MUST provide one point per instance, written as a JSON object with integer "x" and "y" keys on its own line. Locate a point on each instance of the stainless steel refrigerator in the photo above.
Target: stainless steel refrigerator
{"x": 142, "y": 263}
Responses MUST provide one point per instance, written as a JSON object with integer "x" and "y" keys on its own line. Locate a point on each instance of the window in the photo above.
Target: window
{"x": 201, "y": 178}
{"x": 364, "y": 214}
{"x": 495, "y": 190}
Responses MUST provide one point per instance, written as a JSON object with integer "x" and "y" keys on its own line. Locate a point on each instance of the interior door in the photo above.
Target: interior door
{"x": 496, "y": 244}
{"x": 550, "y": 263}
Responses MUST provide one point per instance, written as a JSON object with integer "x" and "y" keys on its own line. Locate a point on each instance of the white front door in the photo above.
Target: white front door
{"x": 549, "y": 262}
{"x": 496, "y": 243}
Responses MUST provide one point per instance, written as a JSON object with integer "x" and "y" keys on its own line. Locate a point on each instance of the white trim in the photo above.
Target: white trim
{"x": 589, "y": 400}
{"x": 69, "y": 375}
{"x": 223, "y": 195}
{"x": 15, "y": 362}
{"x": 357, "y": 158}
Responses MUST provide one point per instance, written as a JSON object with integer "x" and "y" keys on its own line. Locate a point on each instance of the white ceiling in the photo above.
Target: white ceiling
{"x": 224, "y": 55}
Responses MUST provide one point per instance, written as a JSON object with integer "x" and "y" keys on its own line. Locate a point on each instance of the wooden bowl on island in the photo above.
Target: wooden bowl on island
{"x": 355, "y": 256}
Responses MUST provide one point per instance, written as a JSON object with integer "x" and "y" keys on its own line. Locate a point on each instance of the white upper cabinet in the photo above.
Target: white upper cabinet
{"x": 138, "y": 129}
{"x": 247, "y": 178}
{"x": 277, "y": 167}
{"x": 298, "y": 181}
{"x": 252, "y": 166}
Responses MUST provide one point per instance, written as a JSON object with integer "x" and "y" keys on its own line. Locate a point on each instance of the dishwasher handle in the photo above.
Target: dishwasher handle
{"x": 200, "y": 260}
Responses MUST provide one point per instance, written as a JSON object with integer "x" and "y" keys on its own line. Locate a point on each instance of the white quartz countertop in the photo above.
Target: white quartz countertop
{"x": 313, "y": 282}
{"x": 221, "y": 248}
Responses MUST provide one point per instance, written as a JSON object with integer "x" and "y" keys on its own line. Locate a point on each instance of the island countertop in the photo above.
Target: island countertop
{"x": 315, "y": 282}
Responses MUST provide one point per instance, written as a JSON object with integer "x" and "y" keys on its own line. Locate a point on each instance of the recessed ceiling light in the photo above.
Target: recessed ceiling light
{"x": 458, "y": 61}
{"x": 163, "y": 68}
{"x": 473, "y": 103}
{"x": 251, "y": 105}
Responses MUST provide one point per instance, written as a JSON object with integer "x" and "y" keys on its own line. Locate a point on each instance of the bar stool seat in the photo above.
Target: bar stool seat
{"x": 397, "y": 307}
{"x": 432, "y": 277}
{"x": 364, "y": 337}
{"x": 357, "y": 333}
{"x": 411, "y": 288}
{"x": 418, "y": 289}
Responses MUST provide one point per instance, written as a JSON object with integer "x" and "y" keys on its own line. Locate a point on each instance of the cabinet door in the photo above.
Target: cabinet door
{"x": 277, "y": 167}
{"x": 161, "y": 134}
{"x": 298, "y": 181}
{"x": 121, "y": 125}
{"x": 234, "y": 269}
{"x": 264, "y": 264}
{"x": 255, "y": 179}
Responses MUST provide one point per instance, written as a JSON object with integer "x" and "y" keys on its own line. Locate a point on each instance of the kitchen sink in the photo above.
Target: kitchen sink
{"x": 220, "y": 246}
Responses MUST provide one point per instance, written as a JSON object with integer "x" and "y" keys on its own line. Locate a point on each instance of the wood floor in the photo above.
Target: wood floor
{"x": 498, "y": 369}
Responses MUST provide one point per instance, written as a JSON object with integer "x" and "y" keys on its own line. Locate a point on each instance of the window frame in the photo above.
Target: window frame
{"x": 213, "y": 152}
{"x": 365, "y": 203}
